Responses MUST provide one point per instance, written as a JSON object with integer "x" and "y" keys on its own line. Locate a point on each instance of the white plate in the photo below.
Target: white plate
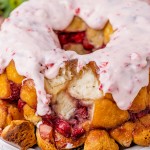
{"x": 8, "y": 146}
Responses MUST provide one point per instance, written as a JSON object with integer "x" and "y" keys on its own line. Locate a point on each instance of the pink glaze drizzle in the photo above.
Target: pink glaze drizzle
{"x": 27, "y": 37}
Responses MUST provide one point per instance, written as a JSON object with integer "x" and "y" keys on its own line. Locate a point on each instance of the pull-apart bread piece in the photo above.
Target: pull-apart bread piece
{"x": 20, "y": 132}
{"x": 76, "y": 74}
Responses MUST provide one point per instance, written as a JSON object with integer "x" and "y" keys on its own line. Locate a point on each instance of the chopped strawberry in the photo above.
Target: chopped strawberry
{"x": 48, "y": 119}
{"x": 62, "y": 127}
{"x": 87, "y": 45}
{"x": 77, "y": 11}
{"x": 73, "y": 122}
{"x": 103, "y": 46}
{"x": 81, "y": 113}
{"x": 135, "y": 116}
{"x": 143, "y": 113}
{"x": 77, "y": 132}
{"x": 77, "y": 37}
{"x": 45, "y": 131}
{"x": 15, "y": 91}
{"x": 20, "y": 104}
{"x": 63, "y": 38}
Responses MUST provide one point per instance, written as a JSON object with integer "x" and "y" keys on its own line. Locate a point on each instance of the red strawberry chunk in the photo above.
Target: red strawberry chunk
{"x": 77, "y": 132}
{"x": 77, "y": 11}
{"x": 135, "y": 116}
{"x": 77, "y": 37}
{"x": 81, "y": 113}
{"x": 15, "y": 91}
{"x": 103, "y": 46}
{"x": 21, "y": 104}
{"x": 47, "y": 119}
{"x": 143, "y": 113}
{"x": 73, "y": 122}
{"x": 63, "y": 38}
{"x": 62, "y": 127}
{"x": 87, "y": 45}
{"x": 45, "y": 131}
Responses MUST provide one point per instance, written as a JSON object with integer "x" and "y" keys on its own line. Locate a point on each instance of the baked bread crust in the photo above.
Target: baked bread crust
{"x": 20, "y": 132}
{"x": 45, "y": 144}
{"x": 100, "y": 140}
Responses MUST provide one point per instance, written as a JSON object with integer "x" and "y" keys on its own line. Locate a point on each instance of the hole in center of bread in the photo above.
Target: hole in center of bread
{"x": 82, "y": 39}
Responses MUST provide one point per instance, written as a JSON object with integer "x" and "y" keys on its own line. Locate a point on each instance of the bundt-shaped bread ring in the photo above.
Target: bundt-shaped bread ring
{"x": 78, "y": 71}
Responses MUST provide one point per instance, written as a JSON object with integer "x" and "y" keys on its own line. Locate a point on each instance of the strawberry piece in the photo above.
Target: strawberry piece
{"x": 77, "y": 132}
{"x": 87, "y": 45}
{"x": 143, "y": 113}
{"x": 81, "y": 113}
{"x": 15, "y": 91}
{"x": 73, "y": 122}
{"x": 135, "y": 116}
{"x": 77, "y": 11}
{"x": 45, "y": 131}
{"x": 62, "y": 127}
{"x": 21, "y": 104}
{"x": 103, "y": 46}
{"x": 77, "y": 37}
{"x": 48, "y": 119}
{"x": 63, "y": 38}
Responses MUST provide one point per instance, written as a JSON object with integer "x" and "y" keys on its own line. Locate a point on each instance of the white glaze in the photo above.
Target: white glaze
{"x": 28, "y": 39}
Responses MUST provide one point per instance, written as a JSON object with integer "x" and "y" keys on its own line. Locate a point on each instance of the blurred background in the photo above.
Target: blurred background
{"x": 6, "y": 6}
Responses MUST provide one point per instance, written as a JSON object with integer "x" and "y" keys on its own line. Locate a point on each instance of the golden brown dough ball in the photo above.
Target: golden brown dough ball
{"x": 8, "y": 112}
{"x": 107, "y": 114}
{"x": 20, "y": 132}
{"x": 46, "y": 143}
{"x": 28, "y": 93}
{"x": 141, "y": 134}
{"x": 100, "y": 140}
{"x": 140, "y": 101}
{"x": 123, "y": 134}
{"x": 30, "y": 114}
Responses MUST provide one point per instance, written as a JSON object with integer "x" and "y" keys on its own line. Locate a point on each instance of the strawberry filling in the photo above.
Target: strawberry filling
{"x": 20, "y": 104}
{"x": 72, "y": 128}
{"x": 15, "y": 91}
{"x": 68, "y": 128}
{"x": 75, "y": 37}
{"x": 63, "y": 127}
{"x": 135, "y": 116}
{"x": 45, "y": 131}
{"x": 81, "y": 111}
{"x": 77, "y": 132}
{"x": 87, "y": 45}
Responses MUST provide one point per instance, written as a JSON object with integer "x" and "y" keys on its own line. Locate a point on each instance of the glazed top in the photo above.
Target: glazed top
{"x": 27, "y": 37}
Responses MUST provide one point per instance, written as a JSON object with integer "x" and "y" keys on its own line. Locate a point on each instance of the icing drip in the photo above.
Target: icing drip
{"x": 27, "y": 37}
